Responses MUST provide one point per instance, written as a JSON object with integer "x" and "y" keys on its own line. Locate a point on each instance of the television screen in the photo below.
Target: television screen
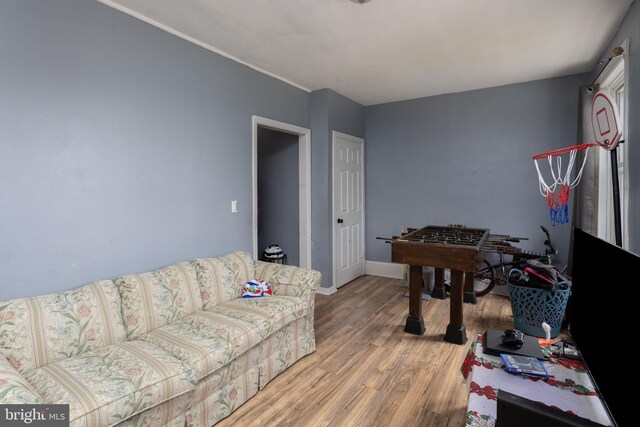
{"x": 604, "y": 321}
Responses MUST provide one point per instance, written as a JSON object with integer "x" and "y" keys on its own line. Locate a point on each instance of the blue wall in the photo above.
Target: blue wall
{"x": 465, "y": 158}
{"x": 121, "y": 146}
{"x": 329, "y": 111}
{"x": 630, "y": 28}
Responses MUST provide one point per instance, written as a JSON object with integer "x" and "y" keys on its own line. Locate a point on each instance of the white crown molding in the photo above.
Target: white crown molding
{"x": 195, "y": 41}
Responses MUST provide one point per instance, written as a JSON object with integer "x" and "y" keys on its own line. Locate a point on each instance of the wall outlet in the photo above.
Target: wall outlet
{"x": 234, "y": 206}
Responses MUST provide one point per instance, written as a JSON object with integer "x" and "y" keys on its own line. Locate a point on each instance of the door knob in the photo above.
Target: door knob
{"x": 340, "y": 220}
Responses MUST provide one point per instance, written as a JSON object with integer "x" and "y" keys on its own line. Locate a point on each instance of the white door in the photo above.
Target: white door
{"x": 348, "y": 208}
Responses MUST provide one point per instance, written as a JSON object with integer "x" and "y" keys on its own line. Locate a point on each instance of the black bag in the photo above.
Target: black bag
{"x": 544, "y": 276}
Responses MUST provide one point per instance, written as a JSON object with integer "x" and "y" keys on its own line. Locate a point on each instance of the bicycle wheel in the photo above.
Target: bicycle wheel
{"x": 484, "y": 280}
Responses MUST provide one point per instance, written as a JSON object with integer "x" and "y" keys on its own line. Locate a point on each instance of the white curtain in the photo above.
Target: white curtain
{"x": 584, "y": 195}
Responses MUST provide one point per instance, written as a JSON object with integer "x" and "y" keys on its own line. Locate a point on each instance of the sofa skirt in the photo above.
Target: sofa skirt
{"x": 224, "y": 391}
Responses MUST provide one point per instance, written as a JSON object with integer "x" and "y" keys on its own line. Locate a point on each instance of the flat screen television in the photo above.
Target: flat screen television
{"x": 604, "y": 321}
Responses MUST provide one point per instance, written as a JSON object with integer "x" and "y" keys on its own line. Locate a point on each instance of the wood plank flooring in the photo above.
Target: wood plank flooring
{"x": 367, "y": 372}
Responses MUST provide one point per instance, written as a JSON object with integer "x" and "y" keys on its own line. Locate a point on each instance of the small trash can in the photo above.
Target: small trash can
{"x": 273, "y": 253}
{"x": 532, "y": 306}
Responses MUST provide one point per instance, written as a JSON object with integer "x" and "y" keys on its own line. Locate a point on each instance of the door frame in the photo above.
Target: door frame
{"x": 334, "y": 218}
{"x": 304, "y": 183}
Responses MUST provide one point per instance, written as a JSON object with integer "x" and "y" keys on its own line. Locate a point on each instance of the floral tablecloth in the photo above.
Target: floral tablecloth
{"x": 568, "y": 387}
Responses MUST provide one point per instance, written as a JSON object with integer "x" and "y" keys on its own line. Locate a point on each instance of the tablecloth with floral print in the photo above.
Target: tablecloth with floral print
{"x": 568, "y": 387}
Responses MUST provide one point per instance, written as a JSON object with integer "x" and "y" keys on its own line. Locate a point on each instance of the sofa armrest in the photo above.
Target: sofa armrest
{"x": 289, "y": 280}
{"x": 14, "y": 389}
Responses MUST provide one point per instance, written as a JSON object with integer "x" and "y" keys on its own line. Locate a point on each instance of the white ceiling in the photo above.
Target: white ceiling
{"x": 389, "y": 50}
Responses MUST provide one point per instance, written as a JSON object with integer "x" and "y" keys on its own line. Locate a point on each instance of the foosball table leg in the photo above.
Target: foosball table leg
{"x": 439, "y": 292}
{"x": 415, "y": 321}
{"x": 456, "y": 332}
{"x": 469, "y": 293}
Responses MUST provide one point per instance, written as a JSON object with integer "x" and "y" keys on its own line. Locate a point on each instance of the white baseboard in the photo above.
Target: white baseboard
{"x": 374, "y": 268}
{"x": 326, "y": 291}
{"x": 384, "y": 269}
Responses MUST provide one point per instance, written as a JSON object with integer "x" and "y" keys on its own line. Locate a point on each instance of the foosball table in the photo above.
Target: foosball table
{"x": 456, "y": 248}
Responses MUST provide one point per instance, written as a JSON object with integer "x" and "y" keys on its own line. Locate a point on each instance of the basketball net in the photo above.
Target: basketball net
{"x": 557, "y": 190}
{"x": 604, "y": 121}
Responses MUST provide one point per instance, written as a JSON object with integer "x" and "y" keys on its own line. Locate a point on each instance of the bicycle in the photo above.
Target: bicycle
{"x": 491, "y": 275}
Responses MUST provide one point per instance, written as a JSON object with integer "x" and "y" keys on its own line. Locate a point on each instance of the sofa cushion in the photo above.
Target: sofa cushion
{"x": 111, "y": 384}
{"x": 277, "y": 311}
{"x": 151, "y": 300}
{"x": 222, "y": 279}
{"x": 206, "y": 341}
{"x": 37, "y": 331}
{"x": 14, "y": 388}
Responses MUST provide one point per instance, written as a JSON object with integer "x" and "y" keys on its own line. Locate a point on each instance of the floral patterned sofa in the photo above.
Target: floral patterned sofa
{"x": 177, "y": 346}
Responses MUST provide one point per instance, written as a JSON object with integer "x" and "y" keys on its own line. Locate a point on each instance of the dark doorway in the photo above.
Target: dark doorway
{"x": 278, "y": 193}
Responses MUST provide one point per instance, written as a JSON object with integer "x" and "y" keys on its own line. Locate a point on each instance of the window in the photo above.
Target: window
{"x": 612, "y": 81}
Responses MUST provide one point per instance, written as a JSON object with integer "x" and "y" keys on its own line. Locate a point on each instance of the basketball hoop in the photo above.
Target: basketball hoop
{"x": 557, "y": 191}
{"x": 605, "y": 122}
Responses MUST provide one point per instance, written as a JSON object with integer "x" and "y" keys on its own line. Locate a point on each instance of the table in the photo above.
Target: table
{"x": 568, "y": 388}
{"x": 454, "y": 248}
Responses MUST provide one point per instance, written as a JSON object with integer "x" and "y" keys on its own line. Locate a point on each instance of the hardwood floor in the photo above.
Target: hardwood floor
{"x": 367, "y": 372}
